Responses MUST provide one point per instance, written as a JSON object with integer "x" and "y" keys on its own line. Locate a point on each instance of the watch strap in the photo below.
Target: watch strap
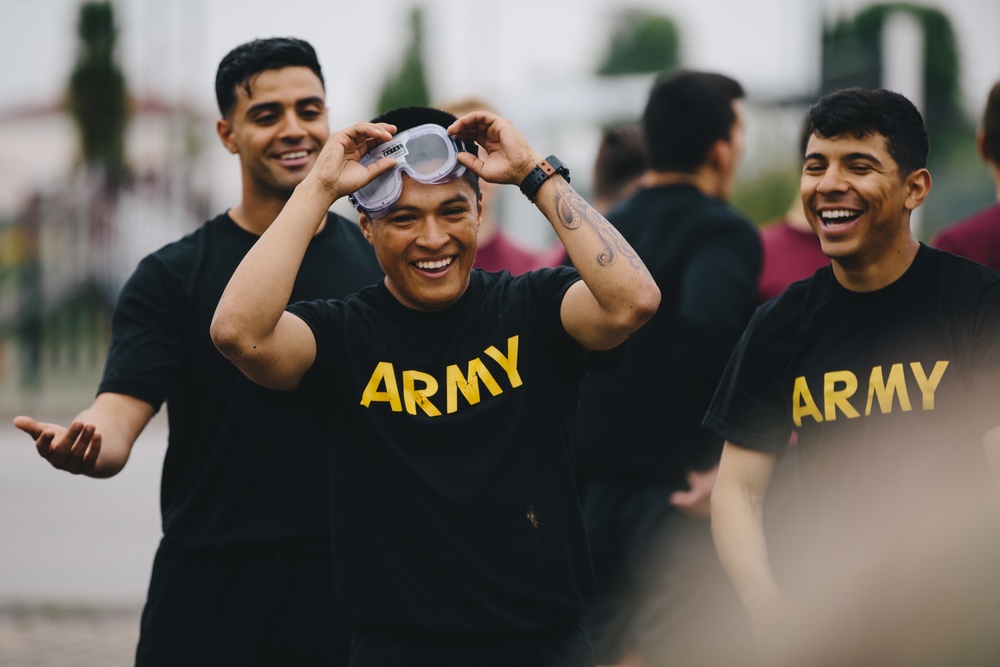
{"x": 541, "y": 173}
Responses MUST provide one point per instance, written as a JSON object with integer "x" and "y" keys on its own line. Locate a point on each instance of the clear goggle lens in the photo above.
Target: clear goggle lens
{"x": 427, "y": 153}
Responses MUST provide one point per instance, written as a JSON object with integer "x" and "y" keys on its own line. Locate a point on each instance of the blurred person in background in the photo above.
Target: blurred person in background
{"x": 977, "y": 237}
{"x": 647, "y": 466}
{"x": 497, "y": 249}
{"x": 791, "y": 249}
{"x": 243, "y": 574}
{"x": 885, "y": 363}
{"x": 620, "y": 165}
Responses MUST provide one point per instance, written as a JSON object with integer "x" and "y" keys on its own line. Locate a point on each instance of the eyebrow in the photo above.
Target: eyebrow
{"x": 276, "y": 106}
{"x": 447, "y": 202}
{"x": 850, "y": 156}
{"x": 455, "y": 200}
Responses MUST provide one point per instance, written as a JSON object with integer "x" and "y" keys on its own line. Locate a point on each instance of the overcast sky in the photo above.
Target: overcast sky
{"x": 503, "y": 50}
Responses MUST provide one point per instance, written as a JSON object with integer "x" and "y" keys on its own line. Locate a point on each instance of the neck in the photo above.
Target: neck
{"x": 256, "y": 211}
{"x": 863, "y": 275}
{"x": 704, "y": 179}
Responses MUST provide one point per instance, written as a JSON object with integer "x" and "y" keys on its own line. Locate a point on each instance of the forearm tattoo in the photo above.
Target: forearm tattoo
{"x": 573, "y": 212}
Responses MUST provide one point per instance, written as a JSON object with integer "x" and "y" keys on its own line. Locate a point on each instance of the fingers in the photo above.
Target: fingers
{"x": 366, "y": 136}
{"x": 74, "y": 449}
{"x": 680, "y": 498}
{"x": 472, "y": 124}
{"x": 90, "y": 458}
{"x": 29, "y": 426}
{"x": 471, "y": 162}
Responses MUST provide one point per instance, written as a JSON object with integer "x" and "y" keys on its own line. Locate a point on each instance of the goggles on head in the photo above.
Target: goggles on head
{"x": 426, "y": 152}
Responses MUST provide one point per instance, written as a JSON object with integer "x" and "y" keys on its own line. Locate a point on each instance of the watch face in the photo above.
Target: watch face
{"x": 558, "y": 166}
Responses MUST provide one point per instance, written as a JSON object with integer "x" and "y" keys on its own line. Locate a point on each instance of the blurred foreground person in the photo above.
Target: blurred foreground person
{"x": 886, "y": 364}
{"x": 243, "y": 575}
{"x": 449, "y": 395}
{"x": 978, "y": 236}
{"x": 647, "y": 465}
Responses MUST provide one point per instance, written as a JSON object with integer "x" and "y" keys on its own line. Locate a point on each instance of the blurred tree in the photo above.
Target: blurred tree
{"x": 408, "y": 86}
{"x": 852, "y": 56}
{"x": 97, "y": 99}
{"x": 764, "y": 195}
{"x": 642, "y": 43}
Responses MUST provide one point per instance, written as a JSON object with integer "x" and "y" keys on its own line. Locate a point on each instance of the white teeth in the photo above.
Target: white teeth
{"x": 294, "y": 156}
{"x": 833, "y": 215}
{"x": 439, "y": 264}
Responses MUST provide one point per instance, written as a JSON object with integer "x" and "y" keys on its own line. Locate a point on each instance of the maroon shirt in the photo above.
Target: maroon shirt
{"x": 501, "y": 253}
{"x": 976, "y": 237}
{"x": 789, "y": 255}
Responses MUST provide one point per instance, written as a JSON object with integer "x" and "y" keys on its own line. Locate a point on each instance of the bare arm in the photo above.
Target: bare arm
{"x": 99, "y": 440}
{"x": 617, "y": 295}
{"x": 738, "y": 527}
{"x": 251, "y": 328}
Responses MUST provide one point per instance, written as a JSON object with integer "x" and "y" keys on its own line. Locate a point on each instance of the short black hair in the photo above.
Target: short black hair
{"x": 239, "y": 66}
{"x": 860, "y": 112}
{"x": 991, "y": 124}
{"x": 686, "y": 113}
{"x": 621, "y": 158}
{"x": 405, "y": 118}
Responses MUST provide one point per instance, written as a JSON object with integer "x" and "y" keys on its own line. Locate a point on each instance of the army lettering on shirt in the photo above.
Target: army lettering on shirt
{"x": 888, "y": 390}
{"x": 413, "y": 389}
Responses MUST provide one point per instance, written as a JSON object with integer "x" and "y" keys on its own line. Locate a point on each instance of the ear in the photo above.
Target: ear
{"x": 366, "y": 228}
{"x": 720, "y": 155}
{"x": 984, "y": 150}
{"x": 479, "y": 210}
{"x": 227, "y": 134}
{"x": 918, "y": 187}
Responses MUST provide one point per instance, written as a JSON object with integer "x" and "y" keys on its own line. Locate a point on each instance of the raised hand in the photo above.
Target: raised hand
{"x": 509, "y": 155}
{"x": 338, "y": 167}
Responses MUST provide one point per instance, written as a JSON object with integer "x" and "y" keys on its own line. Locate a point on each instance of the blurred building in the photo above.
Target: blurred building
{"x": 68, "y": 240}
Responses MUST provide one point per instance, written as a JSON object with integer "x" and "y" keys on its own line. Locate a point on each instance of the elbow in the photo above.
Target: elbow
{"x": 228, "y": 338}
{"x": 644, "y": 303}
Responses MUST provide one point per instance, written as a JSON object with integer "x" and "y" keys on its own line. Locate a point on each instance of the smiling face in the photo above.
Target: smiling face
{"x": 858, "y": 202}
{"x": 427, "y": 243}
{"x": 277, "y": 130}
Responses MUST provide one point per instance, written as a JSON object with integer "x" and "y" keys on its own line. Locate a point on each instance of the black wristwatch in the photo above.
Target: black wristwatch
{"x": 542, "y": 171}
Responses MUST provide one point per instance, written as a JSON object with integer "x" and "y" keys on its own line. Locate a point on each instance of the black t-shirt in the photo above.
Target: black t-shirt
{"x": 642, "y": 420}
{"x": 453, "y": 437}
{"x": 892, "y": 386}
{"x": 233, "y": 475}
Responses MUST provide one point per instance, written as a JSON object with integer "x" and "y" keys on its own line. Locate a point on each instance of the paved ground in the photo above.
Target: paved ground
{"x": 75, "y": 552}
{"x": 59, "y": 636}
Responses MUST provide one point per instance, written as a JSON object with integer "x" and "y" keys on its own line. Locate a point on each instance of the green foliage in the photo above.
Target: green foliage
{"x": 97, "y": 98}
{"x": 765, "y": 196}
{"x": 852, "y": 56}
{"x": 408, "y": 86}
{"x": 642, "y": 43}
